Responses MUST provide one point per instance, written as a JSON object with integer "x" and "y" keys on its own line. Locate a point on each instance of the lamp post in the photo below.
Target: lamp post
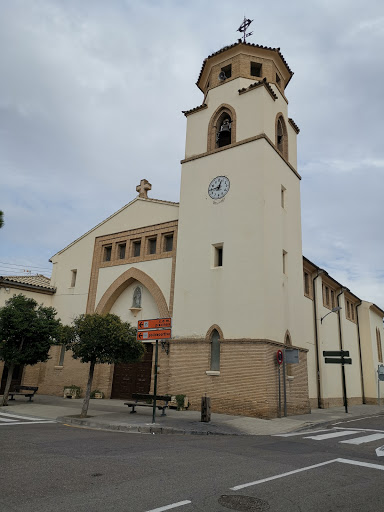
{"x": 333, "y": 310}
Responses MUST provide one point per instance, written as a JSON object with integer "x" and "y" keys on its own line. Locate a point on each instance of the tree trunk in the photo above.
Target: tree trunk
{"x": 84, "y": 410}
{"x": 8, "y": 384}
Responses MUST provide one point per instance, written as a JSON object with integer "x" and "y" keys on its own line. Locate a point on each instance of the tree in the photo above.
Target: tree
{"x": 98, "y": 339}
{"x": 27, "y": 332}
{"x": 1, "y": 219}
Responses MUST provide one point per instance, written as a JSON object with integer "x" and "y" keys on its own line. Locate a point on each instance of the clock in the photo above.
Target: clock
{"x": 218, "y": 187}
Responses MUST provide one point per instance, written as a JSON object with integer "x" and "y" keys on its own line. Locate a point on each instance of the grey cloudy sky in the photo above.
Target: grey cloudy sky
{"x": 91, "y": 94}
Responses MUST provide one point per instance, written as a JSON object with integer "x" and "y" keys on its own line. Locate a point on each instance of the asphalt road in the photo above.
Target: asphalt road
{"x": 52, "y": 467}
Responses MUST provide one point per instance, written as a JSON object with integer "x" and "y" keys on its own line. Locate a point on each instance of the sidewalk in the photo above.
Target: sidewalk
{"x": 114, "y": 415}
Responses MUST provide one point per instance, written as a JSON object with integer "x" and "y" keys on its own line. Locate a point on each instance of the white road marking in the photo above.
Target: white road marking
{"x": 282, "y": 475}
{"x": 6, "y": 419}
{"x": 301, "y": 433}
{"x": 20, "y": 417}
{"x": 25, "y": 423}
{"x": 362, "y": 464}
{"x": 363, "y": 439}
{"x": 358, "y": 419}
{"x": 380, "y": 451}
{"x": 168, "y": 507}
{"x": 361, "y": 429}
{"x": 333, "y": 434}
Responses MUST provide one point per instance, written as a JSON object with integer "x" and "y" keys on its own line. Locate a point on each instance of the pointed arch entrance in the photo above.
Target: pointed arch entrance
{"x": 129, "y": 378}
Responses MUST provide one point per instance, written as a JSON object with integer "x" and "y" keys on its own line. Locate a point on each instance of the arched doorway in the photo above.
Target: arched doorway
{"x": 122, "y": 296}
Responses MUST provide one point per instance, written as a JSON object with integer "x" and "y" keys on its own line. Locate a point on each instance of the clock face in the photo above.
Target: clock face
{"x": 218, "y": 187}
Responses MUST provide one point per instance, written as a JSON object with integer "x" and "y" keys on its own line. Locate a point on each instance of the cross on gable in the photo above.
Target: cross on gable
{"x": 143, "y": 188}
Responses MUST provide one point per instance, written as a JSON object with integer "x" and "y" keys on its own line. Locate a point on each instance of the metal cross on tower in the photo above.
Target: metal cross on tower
{"x": 243, "y": 28}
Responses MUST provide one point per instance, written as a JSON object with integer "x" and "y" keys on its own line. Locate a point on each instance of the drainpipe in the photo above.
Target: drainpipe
{"x": 320, "y": 271}
{"x": 342, "y": 290}
{"x": 361, "y": 360}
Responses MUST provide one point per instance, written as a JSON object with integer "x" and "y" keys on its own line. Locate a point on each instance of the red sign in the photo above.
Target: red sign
{"x": 157, "y": 323}
{"x": 279, "y": 355}
{"x": 160, "y": 334}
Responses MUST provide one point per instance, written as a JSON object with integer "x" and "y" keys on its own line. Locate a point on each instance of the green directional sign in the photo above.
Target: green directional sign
{"x": 334, "y": 360}
{"x": 336, "y": 353}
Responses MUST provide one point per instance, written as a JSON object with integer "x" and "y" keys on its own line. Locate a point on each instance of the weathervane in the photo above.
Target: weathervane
{"x": 243, "y": 28}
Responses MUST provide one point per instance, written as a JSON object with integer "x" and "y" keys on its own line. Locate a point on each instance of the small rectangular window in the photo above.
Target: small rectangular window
{"x": 327, "y": 296}
{"x": 218, "y": 255}
{"x": 333, "y": 304}
{"x": 227, "y": 70}
{"x": 152, "y": 245}
{"x": 73, "y": 277}
{"x": 285, "y": 262}
{"x": 306, "y": 283}
{"x": 136, "y": 248}
{"x": 278, "y": 79}
{"x": 62, "y": 355}
{"x": 168, "y": 243}
{"x": 107, "y": 253}
{"x": 283, "y": 189}
{"x": 122, "y": 248}
{"x": 256, "y": 69}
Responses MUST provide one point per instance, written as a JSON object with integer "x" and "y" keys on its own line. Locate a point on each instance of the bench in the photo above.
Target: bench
{"x": 137, "y": 397}
{"x": 27, "y": 391}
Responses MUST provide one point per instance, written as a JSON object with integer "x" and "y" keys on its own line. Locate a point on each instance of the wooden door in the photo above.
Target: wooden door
{"x": 131, "y": 378}
{"x": 16, "y": 378}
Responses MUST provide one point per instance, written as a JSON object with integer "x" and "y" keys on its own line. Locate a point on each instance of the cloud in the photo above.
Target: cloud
{"x": 91, "y": 98}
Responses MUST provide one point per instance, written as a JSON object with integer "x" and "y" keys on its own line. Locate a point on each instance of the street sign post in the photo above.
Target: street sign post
{"x": 279, "y": 358}
{"x": 380, "y": 377}
{"x": 153, "y": 330}
{"x": 339, "y": 357}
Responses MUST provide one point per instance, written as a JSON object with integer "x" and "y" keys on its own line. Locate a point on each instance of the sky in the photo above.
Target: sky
{"x": 91, "y": 94}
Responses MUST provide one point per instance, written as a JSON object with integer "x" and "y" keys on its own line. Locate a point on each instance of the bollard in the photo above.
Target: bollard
{"x": 205, "y": 409}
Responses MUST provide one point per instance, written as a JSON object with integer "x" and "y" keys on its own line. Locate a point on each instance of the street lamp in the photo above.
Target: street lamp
{"x": 333, "y": 310}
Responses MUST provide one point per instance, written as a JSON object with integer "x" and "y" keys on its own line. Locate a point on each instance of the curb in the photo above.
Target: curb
{"x": 141, "y": 429}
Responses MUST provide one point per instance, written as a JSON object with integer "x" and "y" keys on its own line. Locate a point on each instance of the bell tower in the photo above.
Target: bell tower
{"x": 239, "y": 254}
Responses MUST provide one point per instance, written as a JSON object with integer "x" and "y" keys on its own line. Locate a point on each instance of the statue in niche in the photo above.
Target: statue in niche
{"x": 136, "y": 303}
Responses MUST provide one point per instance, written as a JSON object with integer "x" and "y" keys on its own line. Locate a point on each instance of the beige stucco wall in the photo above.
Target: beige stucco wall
{"x": 369, "y": 321}
{"x": 249, "y": 297}
{"x": 7, "y": 292}
{"x": 255, "y": 111}
{"x": 72, "y": 301}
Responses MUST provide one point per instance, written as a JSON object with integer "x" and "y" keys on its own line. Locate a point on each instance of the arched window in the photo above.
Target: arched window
{"x": 281, "y": 136}
{"x": 379, "y": 347}
{"x": 222, "y": 128}
{"x": 288, "y": 343}
{"x": 215, "y": 351}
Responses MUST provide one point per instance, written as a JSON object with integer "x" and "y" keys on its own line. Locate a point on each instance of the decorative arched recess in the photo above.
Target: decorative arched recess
{"x": 287, "y": 339}
{"x": 214, "y": 122}
{"x": 288, "y": 343}
{"x": 214, "y": 327}
{"x": 281, "y": 135}
{"x": 122, "y": 282}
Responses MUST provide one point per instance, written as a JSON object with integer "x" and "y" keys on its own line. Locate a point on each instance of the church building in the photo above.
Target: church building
{"x": 225, "y": 263}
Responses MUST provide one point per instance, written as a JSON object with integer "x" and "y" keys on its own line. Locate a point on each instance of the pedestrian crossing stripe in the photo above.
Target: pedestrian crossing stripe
{"x": 7, "y": 419}
{"x": 336, "y": 433}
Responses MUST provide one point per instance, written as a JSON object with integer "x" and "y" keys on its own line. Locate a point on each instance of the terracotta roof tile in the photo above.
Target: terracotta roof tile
{"x": 294, "y": 125}
{"x": 39, "y": 281}
{"x": 225, "y": 48}
{"x": 259, "y": 84}
{"x": 193, "y": 110}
